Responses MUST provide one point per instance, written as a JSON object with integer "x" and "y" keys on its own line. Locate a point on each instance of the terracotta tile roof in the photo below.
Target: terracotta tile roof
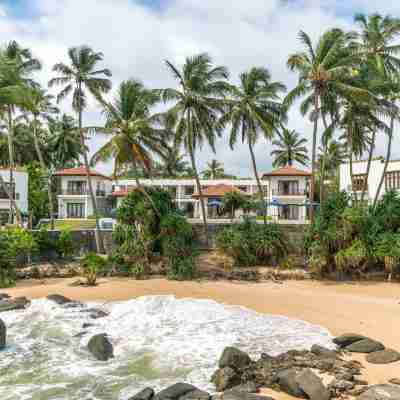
{"x": 287, "y": 171}
{"x": 120, "y": 193}
{"x": 80, "y": 171}
{"x": 219, "y": 191}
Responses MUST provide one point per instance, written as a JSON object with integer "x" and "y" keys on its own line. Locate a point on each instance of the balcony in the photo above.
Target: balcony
{"x": 288, "y": 192}
{"x": 82, "y": 192}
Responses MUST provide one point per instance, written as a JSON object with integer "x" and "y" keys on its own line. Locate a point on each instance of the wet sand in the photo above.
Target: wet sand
{"x": 371, "y": 309}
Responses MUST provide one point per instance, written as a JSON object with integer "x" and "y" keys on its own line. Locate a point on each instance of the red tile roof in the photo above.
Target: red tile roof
{"x": 120, "y": 193}
{"x": 80, "y": 171}
{"x": 287, "y": 171}
{"x": 219, "y": 191}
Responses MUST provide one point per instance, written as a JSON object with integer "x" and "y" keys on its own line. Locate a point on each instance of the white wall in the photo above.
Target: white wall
{"x": 21, "y": 188}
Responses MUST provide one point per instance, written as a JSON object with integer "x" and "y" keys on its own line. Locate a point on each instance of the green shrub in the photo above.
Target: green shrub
{"x": 250, "y": 243}
{"x": 65, "y": 244}
{"x": 92, "y": 265}
{"x": 45, "y": 242}
{"x": 178, "y": 246}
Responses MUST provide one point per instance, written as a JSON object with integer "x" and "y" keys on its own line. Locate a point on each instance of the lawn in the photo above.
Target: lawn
{"x": 74, "y": 224}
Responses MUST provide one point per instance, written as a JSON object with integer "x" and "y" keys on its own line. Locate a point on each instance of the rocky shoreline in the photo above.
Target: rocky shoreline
{"x": 316, "y": 374}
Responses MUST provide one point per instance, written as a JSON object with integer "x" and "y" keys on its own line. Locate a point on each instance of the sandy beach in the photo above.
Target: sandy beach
{"x": 371, "y": 309}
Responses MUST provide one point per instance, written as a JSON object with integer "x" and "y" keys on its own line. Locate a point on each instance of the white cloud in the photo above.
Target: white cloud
{"x": 135, "y": 40}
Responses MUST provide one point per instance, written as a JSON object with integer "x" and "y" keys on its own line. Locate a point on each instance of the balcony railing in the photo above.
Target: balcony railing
{"x": 288, "y": 192}
{"x": 82, "y": 192}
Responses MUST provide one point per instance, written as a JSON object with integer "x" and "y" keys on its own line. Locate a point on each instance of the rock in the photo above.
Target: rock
{"x": 312, "y": 385}
{"x": 18, "y": 303}
{"x": 145, "y": 394}
{"x": 3, "y": 334}
{"x": 4, "y": 296}
{"x": 386, "y": 356}
{"x": 225, "y": 378}
{"x": 232, "y": 395}
{"x": 342, "y": 385}
{"x": 365, "y": 346}
{"x": 101, "y": 347}
{"x": 62, "y": 300}
{"x": 175, "y": 391}
{"x": 323, "y": 351}
{"x": 248, "y": 387}
{"x": 234, "y": 358}
{"x": 96, "y": 313}
{"x": 86, "y": 325}
{"x": 381, "y": 392}
{"x": 196, "y": 394}
{"x": 395, "y": 381}
{"x": 288, "y": 383}
{"x": 347, "y": 339}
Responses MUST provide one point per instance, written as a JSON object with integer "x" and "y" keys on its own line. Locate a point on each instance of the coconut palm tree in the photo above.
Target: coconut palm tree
{"x": 81, "y": 77}
{"x": 326, "y": 71}
{"x": 253, "y": 111}
{"x": 136, "y": 134}
{"x": 290, "y": 147}
{"x": 40, "y": 106}
{"x": 214, "y": 170}
{"x": 198, "y": 104}
{"x": 173, "y": 163}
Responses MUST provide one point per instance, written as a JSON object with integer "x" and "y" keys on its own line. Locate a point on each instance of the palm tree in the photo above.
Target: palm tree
{"x": 214, "y": 170}
{"x": 325, "y": 71}
{"x": 197, "y": 106}
{"x": 172, "y": 164}
{"x": 290, "y": 147}
{"x": 39, "y": 104}
{"x": 254, "y": 109}
{"x": 80, "y": 77}
{"x": 136, "y": 134}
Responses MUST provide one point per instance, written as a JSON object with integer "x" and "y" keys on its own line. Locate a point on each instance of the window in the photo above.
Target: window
{"x": 289, "y": 212}
{"x": 3, "y": 194}
{"x": 189, "y": 190}
{"x": 358, "y": 182}
{"x": 243, "y": 188}
{"x": 76, "y": 187}
{"x": 286, "y": 188}
{"x": 392, "y": 180}
{"x": 75, "y": 210}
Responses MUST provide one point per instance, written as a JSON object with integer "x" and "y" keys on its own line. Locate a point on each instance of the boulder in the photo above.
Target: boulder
{"x": 3, "y": 334}
{"x": 62, "y": 300}
{"x": 323, "y": 351}
{"x": 248, "y": 387}
{"x": 225, "y": 378}
{"x": 17, "y": 303}
{"x": 386, "y": 356}
{"x": 101, "y": 347}
{"x": 4, "y": 296}
{"x": 145, "y": 394}
{"x": 234, "y": 358}
{"x": 347, "y": 339}
{"x": 232, "y": 395}
{"x": 312, "y": 385}
{"x": 365, "y": 346}
{"x": 196, "y": 394}
{"x": 175, "y": 391}
{"x": 381, "y": 392}
{"x": 288, "y": 383}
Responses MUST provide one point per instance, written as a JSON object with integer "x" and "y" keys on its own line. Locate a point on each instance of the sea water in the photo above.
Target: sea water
{"x": 158, "y": 341}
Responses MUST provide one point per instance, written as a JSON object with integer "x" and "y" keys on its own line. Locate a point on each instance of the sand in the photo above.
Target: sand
{"x": 371, "y": 309}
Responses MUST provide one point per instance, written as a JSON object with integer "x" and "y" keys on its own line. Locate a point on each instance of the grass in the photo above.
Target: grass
{"x": 74, "y": 224}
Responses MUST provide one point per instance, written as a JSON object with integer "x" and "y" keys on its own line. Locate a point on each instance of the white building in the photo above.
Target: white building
{"x": 391, "y": 180}
{"x": 288, "y": 194}
{"x": 74, "y": 199}
{"x": 20, "y": 189}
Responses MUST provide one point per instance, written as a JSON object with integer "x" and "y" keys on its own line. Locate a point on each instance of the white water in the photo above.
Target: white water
{"x": 158, "y": 340}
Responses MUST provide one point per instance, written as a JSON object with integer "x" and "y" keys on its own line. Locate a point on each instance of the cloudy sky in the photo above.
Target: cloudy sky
{"x": 137, "y": 35}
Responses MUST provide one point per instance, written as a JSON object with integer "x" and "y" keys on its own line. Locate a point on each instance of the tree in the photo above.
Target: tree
{"x": 198, "y": 103}
{"x": 39, "y": 104}
{"x": 325, "y": 72}
{"x": 173, "y": 163}
{"x": 233, "y": 201}
{"x": 135, "y": 134}
{"x": 254, "y": 110}
{"x": 214, "y": 170}
{"x": 290, "y": 147}
{"x": 80, "y": 77}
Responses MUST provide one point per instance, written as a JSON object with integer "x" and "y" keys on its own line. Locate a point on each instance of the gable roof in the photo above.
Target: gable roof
{"x": 219, "y": 191}
{"x": 287, "y": 171}
{"x": 80, "y": 171}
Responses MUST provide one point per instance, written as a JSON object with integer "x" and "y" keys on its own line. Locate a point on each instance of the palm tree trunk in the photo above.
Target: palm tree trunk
{"x": 43, "y": 166}
{"x": 354, "y": 197}
{"x": 313, "y": 156}
{"x": 9, "y": 194}
{"x": 388, "y": 154}
{"x": 371, "y": 153}
{"x": 97, "y": 232}
{"x": 322, "y": 177}
{"x": 260, "y": 189}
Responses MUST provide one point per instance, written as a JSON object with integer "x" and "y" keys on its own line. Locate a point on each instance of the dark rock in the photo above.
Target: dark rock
{"x": 62, "y": 300}
{"x": 145, "y": 394}
{"x": 342, "y": 385}
{"x": 386, "y": 356}
{"x": 347, "y": 339}
{"x": 381, "y": 392}
{"x": 234, "y": 358}
{"x": 3, "y": 334}
{"x": 365, "y": 346}
{"x": 4, "y": 296}
{"x": 17, "y": 303}
{"x": 323, "y": 351}
{"x": 312, "y": 385}
{"x": 288, "y": 383}
{"x": 196, "y": 394}
{"x": 225, "y": 378}
{"x": 87, "y": 325}
{"x": 101, "y": 347}
{"x": 175, "y": 391}
{"x": 96, "y": 313}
